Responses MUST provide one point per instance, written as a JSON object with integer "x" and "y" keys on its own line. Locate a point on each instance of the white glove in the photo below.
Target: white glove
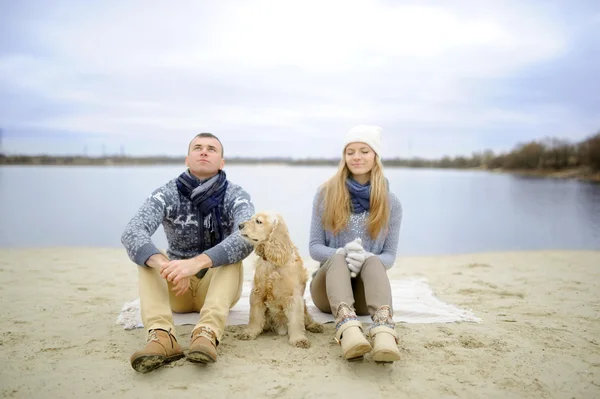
{"x": 354, "y": 246}
{"x": 356, "y": 258}
{"x": 355, "y": 261}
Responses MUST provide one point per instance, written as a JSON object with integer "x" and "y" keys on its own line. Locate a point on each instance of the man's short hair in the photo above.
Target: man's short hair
{"x": 207, "y": 135}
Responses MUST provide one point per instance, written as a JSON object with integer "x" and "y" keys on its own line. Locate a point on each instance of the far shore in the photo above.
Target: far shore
{"x": 582, "y": 174}
{"x": 579, "y": 173}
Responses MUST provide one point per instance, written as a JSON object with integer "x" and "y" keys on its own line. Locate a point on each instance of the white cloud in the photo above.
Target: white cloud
{"x": 266, "y": 68}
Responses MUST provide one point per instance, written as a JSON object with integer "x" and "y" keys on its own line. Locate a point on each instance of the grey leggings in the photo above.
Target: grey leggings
{"x": 369, "y": 291}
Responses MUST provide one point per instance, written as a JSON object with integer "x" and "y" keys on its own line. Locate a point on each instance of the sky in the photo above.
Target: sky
{"x": 290, "y": 78}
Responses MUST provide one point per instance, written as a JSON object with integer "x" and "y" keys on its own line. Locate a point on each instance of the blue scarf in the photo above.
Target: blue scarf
{"x": 206, "y": 196}
{"x": 360, "y": 195}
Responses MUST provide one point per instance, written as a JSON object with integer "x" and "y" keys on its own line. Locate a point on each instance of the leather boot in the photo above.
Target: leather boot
{"x": 161, "y": 348}
{"x": 203, "y": 348}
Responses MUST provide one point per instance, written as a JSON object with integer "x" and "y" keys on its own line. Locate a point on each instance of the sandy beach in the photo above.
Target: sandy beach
{"x": 539, "y": 335}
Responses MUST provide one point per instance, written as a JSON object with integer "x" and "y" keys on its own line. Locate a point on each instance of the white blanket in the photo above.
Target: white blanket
{"x": 413, "y": 301}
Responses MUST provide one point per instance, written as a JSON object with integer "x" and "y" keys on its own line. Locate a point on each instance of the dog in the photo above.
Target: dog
{"x": 277, "y": 297}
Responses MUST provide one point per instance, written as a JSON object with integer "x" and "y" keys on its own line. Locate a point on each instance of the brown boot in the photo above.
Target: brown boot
{"x": 162, "y": 348}
{"x": 384, "y": 336}
{"x": 203, "y": 348}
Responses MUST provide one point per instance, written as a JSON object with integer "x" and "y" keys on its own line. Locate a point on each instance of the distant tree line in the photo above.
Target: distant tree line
{"x": 146, "y": 160}
{"x": 550, "y": 154}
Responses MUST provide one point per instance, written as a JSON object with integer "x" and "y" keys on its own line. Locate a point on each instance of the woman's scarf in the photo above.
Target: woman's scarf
{"x": 360, "y": 195}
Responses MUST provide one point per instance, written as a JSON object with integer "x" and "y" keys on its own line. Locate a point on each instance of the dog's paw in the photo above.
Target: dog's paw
{"x": 315, "y": 328}
{"x": 301, "y": 342}
{"x": 246, "y": 335}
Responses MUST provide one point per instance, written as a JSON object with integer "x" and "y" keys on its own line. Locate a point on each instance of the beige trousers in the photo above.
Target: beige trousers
{"x": 369, "y": 291}
{"x": 213, "y": 295}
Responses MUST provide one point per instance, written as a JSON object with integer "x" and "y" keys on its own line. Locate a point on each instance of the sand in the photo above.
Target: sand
{"x": 540, "y": 335}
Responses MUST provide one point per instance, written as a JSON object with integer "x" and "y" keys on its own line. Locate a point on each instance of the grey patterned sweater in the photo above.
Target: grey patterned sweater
{"x": 323, "y": 244}
{"x": 179, "y": 218}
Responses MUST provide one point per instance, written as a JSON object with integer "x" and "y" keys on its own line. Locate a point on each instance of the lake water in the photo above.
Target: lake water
{"x": 445, "y": 211}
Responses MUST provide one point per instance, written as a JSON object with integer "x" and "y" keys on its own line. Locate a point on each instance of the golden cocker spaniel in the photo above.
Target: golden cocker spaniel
{"x": 277, "y": 298}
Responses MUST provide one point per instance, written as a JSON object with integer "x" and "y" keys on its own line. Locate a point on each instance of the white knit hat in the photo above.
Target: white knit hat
{"x": 367, "y": 134}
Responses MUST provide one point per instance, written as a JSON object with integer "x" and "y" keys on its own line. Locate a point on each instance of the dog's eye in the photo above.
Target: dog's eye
{"x": 258, "y": 221}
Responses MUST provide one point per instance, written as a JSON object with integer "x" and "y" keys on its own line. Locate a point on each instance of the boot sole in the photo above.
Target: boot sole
{"x": 199, "y": 357}
{"x": 356, "y": 353}
{"x": 385, "y": 357}
{"x": 145, "y": 364}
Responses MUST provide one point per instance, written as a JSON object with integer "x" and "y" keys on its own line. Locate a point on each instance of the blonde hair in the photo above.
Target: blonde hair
{"x": 337, "y": 205}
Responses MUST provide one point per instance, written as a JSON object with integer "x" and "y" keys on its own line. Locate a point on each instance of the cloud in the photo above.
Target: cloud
{"x": 436, "y": 77}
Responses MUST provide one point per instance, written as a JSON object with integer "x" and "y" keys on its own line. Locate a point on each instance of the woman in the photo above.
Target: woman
{"x": 354, "y": 235}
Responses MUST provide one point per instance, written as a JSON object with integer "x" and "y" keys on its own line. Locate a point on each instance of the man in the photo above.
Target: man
{"x": 200, "y": 212}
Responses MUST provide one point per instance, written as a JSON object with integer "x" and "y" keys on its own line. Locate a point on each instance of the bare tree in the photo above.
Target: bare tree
{"x": 589, "y": 151}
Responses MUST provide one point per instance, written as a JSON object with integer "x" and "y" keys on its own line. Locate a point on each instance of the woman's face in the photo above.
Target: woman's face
{"x": 360, "y": 159}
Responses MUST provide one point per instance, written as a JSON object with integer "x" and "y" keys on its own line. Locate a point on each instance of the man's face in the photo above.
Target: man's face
{"x": 204, "y": 157}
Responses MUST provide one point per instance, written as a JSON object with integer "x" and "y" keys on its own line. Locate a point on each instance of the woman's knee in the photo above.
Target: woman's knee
{"x": 373, "y": 264}
{"x": 318, "y": 294}
{"x": 337, "y": 261}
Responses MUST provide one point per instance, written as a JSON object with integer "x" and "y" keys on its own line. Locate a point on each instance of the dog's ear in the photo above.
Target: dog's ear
{"x": 278, "y": 249}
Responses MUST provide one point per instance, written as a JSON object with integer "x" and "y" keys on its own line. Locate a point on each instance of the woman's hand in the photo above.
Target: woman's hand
{"x": 354, "y": 246}
{"x": 355, "y": 261}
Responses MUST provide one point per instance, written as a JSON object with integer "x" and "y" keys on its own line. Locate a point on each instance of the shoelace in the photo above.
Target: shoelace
{"x": 206, "y": 333}
{"x": 152, "y": 336}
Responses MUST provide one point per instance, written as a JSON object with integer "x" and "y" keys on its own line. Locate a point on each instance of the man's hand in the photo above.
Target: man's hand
{"x": 175, "y": 270}
{"x": 182, "y": 286}
{"x": 157, "y": 261}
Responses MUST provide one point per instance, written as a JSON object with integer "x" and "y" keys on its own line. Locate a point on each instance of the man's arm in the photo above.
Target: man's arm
{"x": 137, "y": 235}
{"x": 234, "y": 248}
{"x": 157, "y": 261}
